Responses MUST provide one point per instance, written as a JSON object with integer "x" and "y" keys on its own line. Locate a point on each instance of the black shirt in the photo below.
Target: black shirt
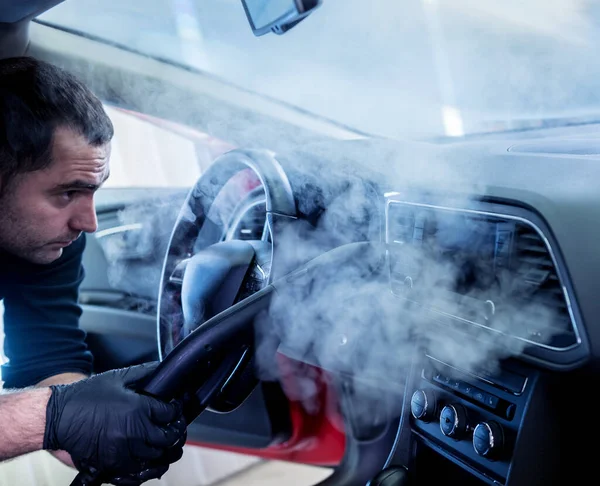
{"x": 41, "y": 318}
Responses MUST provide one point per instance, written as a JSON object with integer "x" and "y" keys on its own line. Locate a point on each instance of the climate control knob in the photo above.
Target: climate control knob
{"x": 454, "y": 421}
{"x": 488, "y": 439}
{"x": 423, "y": 405}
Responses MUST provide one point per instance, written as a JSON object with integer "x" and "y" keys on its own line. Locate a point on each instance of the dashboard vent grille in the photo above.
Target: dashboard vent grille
{"x": 538, "y": 282}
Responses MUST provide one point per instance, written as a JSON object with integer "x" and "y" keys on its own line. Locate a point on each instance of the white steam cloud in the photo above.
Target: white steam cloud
{"x": 342, "y": 315}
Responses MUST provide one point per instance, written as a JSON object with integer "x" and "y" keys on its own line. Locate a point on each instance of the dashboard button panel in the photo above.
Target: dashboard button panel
{"x": 477, "y": 422}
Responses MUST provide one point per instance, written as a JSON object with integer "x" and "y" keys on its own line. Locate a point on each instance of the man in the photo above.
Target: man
{"x": 54, "y": 154}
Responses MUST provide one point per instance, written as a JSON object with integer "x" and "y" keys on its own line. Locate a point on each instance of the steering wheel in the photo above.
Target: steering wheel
{"x": 214, "y": 286}
{"x": 208, "y": 267}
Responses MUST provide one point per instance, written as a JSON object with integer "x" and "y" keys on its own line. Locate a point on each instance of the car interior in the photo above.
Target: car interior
{"x": 399, "y": 310}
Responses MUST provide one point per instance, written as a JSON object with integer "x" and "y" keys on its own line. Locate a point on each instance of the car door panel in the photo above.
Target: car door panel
{"x": 118, "y": 338}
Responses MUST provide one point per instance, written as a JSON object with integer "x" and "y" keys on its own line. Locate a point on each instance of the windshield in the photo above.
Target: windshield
{"x": 393, "y": 68}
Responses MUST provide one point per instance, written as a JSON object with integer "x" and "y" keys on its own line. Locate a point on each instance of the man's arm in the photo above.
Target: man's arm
{"x": 22, "y": 421}
{"x": 101, "y": 421}
{"x": 63, "y": 378}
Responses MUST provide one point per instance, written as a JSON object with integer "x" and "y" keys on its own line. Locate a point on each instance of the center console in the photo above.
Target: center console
{"x": 495, "y": 426}
{"x": 473, "y": 274}
{"x": 471, "y": 418}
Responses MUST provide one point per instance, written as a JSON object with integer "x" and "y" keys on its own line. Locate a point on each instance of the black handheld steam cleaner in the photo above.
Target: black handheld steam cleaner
{"x": 197, "y": 368}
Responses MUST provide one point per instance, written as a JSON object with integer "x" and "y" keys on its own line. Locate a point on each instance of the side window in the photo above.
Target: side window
{"x": 150, "y": 152}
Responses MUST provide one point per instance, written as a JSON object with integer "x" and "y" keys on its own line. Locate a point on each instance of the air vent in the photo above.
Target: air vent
{"x": 493, "y": 271}
{"x": 539, "y": 285}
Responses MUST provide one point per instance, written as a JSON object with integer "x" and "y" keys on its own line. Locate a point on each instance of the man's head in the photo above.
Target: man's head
{"x": 54, "y": 153}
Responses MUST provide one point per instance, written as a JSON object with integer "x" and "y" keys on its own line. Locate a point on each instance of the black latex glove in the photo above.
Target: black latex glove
{"x": 155, "y": 470}
{"x": 105, "y": 425}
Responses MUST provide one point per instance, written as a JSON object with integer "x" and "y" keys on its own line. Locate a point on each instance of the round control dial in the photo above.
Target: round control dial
{"x": 453, "y": 420}
{"x": 423, "y": 405}
{"x": 488, "y": 439}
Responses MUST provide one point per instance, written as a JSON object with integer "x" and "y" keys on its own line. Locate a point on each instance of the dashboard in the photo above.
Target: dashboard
{"x": 505, "y": 272}
{"x": 492, "y": 273}
{"x": 490, "y": 244}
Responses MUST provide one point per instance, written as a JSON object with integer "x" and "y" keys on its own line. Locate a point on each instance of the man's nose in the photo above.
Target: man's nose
{"x": 85, "y": 218}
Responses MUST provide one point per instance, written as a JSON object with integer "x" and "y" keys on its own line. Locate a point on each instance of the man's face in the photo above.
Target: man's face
{"x": 44, "y": 211}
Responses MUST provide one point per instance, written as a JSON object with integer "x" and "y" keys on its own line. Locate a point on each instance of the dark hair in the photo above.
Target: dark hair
{"x": 35, "y": 99}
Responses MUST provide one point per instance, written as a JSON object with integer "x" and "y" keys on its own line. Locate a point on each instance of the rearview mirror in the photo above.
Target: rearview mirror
{"x": 277, "y": 16}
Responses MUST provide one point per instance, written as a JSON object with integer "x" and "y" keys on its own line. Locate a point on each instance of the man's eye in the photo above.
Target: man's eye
{"x": 68, "y": 195}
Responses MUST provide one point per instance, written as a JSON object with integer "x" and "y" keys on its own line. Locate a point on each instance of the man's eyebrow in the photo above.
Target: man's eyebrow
{"x": 78, "y": 184}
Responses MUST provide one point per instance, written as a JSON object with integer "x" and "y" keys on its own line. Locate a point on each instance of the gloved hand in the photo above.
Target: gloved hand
{"x": 105, "y": 425}
{"x": 153, "y": 471}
